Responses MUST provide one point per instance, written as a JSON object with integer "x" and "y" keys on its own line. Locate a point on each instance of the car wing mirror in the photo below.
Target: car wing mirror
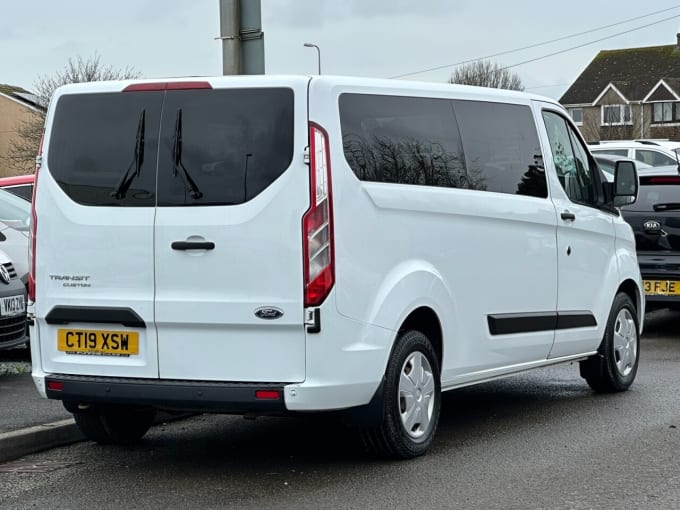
{"x": 625, "y": 183}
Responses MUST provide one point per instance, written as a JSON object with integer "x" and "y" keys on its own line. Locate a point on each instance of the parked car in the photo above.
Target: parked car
{"x": 647, "y": 152}
{"x": 15, "y": 214}
{"x": 607, "y": 163}
{"x": 13, "y": 329}
{"x": 20, "y": 185}
{"x": 655, "y": 218}
{"x": 276, "y": 245}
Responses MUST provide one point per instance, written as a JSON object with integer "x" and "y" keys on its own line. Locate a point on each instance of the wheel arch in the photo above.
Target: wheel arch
{"x": 633, "y": 291}
{"x": 426, "y": 320}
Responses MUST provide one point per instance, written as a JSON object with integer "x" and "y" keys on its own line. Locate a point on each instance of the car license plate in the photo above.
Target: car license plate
{"x": 12, "y": 305}
{"x": 661, "y": 287}
{"x": 98, "y": 343}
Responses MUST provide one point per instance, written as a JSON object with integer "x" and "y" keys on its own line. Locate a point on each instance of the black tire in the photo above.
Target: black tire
{"x": 114, "y": 424}
{"x": 391, "y": 438}
{"x": 615, "y": 365}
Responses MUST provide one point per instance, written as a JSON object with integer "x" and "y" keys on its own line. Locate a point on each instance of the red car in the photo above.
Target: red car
{"x": 20, "y": 185}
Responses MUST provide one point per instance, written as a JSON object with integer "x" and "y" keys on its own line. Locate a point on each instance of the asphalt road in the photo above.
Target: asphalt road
{"x": 538, "y": 440}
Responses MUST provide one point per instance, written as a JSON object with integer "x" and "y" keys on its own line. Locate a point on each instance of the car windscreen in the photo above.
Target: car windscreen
{"x": 14, "y": 211}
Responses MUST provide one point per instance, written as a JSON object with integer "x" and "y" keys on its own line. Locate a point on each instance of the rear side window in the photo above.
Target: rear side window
{"x": 501, "y": 147}
{"x": 654, "y": 158}
{"x": 411, "y": 140}
{"x": 99, "y": 140}
{"x": 615, "y": 152}
{"x": 224, "y": 146}
{"x": 404, "y": 140}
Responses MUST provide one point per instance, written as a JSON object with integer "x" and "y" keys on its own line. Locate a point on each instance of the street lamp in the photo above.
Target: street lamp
{"x": 318, "y": 53}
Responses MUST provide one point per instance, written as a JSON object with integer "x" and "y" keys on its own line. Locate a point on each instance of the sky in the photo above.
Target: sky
{"x": 373, "y": 38}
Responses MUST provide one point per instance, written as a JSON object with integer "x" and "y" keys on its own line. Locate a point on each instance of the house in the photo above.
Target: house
{"x": 17, "y": 107}
{"x": 628, "y": 93}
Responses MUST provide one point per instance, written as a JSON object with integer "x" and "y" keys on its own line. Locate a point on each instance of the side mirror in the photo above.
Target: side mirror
{"x": 625, "y": 183}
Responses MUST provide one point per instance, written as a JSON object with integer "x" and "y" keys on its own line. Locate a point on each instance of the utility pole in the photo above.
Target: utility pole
{"x": 242, "y": 37}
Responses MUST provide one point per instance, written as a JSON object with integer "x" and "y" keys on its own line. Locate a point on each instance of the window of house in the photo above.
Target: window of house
{"x": 616, "y": 115}
{"x": 666, "y": 112}
{"x": 576, "y": 115}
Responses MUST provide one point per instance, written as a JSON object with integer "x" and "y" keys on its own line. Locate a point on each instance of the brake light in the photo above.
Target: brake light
{"x": 671, "y": 179}
{"x": 33, "y": 227}
{"x": 167, "y": 85}
{"x": 317, "y": 223}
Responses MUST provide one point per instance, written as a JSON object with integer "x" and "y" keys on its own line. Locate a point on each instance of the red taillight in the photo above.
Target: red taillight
{"x": 55, "y": 385}
{"x": 317, "y": 223}
{"x": 267, "y": 395}
{"x": 33, "y": 227}
{"x": 167, "y": 85}
{"x": 671, "y": 179}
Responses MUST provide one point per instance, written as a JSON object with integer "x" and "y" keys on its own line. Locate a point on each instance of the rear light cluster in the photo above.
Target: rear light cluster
{"x": 33, "y": 228}
{"x": 317, "y": 223}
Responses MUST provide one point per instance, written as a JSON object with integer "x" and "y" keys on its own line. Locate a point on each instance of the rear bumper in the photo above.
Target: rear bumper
{"x": 204, "y": 396}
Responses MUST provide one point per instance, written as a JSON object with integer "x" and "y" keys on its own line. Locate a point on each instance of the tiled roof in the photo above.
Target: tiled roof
{"x": 632, "y": 71}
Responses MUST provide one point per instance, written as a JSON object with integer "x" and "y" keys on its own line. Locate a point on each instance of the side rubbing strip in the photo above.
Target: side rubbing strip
{"x": 567, "y": 320}
{"x": 106, "y": 315}
{"x": 509, "y": 323}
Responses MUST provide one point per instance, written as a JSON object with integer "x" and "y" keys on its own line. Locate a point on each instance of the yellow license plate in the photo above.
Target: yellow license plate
{"x": 661, "y": 287}
{"x": 98, "y": 343}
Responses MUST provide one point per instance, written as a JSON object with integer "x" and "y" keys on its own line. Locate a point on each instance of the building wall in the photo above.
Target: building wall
{"x": 12, "y": 115}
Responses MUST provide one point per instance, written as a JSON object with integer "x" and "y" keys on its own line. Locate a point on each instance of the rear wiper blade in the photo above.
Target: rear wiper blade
{"x": 177, "y": 157}
{"x": 670, "y": 206}
{"x": 137, "y": 161}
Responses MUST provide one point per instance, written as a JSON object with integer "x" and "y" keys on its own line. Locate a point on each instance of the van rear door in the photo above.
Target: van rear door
{"x": 232, "y": 189}
{"x": 94, "y": 233}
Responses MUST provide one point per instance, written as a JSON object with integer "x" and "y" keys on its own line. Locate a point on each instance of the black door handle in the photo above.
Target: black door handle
{"x": 192, "y": 245}
{"x": 566, "y": 215}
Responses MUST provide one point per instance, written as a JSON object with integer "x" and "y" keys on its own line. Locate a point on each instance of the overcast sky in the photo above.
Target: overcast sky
{"x": 377, "y": 38}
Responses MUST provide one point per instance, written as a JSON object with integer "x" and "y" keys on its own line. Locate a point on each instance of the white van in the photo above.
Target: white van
{"x": 273, "y": 245}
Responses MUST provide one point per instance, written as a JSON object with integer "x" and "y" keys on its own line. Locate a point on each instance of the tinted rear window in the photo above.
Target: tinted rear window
{"x": 216, "y": 146}
{"x": 234, "y": 144}
{"x": 657, "y": 194}
{"x": 93, "y": 142}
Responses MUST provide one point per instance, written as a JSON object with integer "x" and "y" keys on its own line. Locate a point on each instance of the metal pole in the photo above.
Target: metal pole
{"x": 229, "y": 34}
{"x": 252, "y": 37}
{"x": 318, "y": 54}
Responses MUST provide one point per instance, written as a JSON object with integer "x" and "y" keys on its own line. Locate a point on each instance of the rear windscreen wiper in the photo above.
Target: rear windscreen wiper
{"x": 177, "y": 157}
{"x": 137, "y": 160}
{"x": 670, "y": 206}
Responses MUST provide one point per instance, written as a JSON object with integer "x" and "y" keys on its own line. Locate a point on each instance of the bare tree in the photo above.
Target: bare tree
{"x": 486, "y": 73}
{"x": 23, "y": 151}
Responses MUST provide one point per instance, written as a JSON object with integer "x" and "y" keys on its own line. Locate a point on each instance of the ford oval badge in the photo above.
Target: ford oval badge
{"x": 269, "y": 313}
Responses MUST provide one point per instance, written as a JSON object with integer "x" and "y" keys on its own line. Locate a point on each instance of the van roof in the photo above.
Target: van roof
{"x": 370, "y": 84}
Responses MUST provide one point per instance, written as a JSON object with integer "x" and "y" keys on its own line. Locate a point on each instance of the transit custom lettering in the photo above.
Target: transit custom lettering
{"x": 71, "y": 280}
